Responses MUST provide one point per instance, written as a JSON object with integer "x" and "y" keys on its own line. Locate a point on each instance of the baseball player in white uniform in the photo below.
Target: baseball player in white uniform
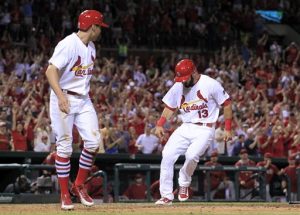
{"x": 69, "y": 72}
{"x": 198, "y": 98}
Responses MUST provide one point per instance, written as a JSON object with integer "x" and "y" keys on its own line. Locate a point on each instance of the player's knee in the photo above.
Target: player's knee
{"x": 167, "y": 162}
{"x": 168, "y": 155}
{"x": 191, "y": 157}
{"x": 92, "y": 148}
{"x": 64, "y": 154}
{"x": 64, "y": 149}
{"x": 94, "y": 144}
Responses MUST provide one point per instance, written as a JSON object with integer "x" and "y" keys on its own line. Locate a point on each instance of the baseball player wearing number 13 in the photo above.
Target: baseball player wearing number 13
{"x": 198, "y": 98}
{"x": 69, "y": 72}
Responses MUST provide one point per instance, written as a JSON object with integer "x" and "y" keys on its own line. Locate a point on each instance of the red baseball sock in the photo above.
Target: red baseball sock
{"x": 63, "y": 170}
{"x": 85, "y": 164}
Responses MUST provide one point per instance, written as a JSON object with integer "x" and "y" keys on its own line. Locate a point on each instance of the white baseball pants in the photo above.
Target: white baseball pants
{"x": 189, "y": 139}
{"x": 83, "y": 116}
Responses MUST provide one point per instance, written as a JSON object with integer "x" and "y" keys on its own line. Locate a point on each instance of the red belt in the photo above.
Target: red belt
{"x": 206, "y": 124}
{"x": 71, "y": 93}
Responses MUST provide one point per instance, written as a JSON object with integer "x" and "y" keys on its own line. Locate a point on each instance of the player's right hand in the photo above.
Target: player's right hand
{"x": 64, "y": 104}
{"x": 227, "y": 135}
{"x": 159, "y": 131}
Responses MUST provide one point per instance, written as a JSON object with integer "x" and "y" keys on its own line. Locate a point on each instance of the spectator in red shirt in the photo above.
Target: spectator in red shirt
{"x": 132, "y": 149}
{"x": 138, "y": 123}
{"x": 4, "y": 141}
{"x": 219, "y": 180}
{"x": 290, "y": 171}
{"x": 277, "y": 142}
{"x": 264, "y": 142}
{"x": 271, "y": 171}
{"x": 50, "y": 159}
{"x": 295, "y": 146}
{"x": 245, "y": 177}
{"x": 94, "y": 186}
{"x": 154, "y": 189}
{"x": 137, "y": 190}
{"x": 19, "y": 131}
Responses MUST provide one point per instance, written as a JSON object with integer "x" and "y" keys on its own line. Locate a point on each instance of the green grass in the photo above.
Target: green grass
{"x": 190, "y": 208}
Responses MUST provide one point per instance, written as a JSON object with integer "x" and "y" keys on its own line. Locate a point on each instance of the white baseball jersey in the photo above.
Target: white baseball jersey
{"x": 76, "y": 66}
{"x": 201, "y": 103}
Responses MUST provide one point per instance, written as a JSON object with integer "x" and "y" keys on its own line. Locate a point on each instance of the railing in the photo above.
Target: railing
{"x": 149, "y": 167}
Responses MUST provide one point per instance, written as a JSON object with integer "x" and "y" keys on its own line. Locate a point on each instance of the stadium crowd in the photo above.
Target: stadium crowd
{"x": 260, "y": 74}
{"x": 205, "y": 24}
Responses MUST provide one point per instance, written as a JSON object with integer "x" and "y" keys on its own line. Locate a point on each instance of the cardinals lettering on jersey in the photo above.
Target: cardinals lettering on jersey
{"x": 191, "y": 105}
{"x": 81, "y": 70}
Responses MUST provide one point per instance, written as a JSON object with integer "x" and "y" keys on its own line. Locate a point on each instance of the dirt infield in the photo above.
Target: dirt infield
{"x": 149, "y": 208}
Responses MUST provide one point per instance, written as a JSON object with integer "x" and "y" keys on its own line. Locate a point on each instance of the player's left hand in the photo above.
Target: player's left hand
{"x": 227, "y": 135}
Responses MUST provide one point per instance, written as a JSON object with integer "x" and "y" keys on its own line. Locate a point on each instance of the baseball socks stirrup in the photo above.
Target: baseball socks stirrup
{"x": 78, "y": 188}
{"x": 183, "y": 193}
{"x": 163, "y": 201}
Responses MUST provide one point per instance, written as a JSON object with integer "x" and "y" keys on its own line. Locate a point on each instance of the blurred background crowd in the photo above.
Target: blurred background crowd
{"x": 229, "y": 43}
{"x": 226, "y": 39}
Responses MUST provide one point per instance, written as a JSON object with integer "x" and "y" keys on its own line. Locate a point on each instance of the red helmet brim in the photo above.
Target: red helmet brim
{"x": 182, "y": 78}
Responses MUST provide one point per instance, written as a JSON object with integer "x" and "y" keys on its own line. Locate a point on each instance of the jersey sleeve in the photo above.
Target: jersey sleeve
{"x": 219, "y": 94}
{"x": 61, "y": 56}
{"x": 171, "y": 98}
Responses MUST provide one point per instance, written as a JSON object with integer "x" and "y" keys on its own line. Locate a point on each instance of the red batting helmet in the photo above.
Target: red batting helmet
{"x": 90, "y": 17}
{"x": 184, "y": 70}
